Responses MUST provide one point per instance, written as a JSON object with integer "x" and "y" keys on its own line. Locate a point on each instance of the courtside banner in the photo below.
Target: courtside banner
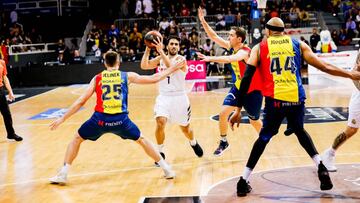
{"x": 345, "y": 60}
{"x": 196, "y": 70}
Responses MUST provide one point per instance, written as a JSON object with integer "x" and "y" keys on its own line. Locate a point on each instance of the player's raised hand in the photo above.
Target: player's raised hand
{"x": 159, "y": 44}
{"x": 56, "y": 123}
{"x": 201, "y": 14}
{"x": 235, "y": 119}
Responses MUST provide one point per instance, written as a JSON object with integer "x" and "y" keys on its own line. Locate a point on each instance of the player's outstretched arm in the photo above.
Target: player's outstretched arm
{"x": 211, "y": 33}
{"x": 239, "y": 56}
{"x": 148, "y": 79}
{"x": 76, "y": 105}
{"x": 313, "y": 60}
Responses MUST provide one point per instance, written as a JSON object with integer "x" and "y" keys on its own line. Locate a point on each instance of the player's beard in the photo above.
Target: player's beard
{"x": 173, "y": 52}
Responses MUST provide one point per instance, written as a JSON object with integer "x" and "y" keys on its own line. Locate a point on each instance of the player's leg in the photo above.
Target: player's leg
{"x": 252, "y": 105}
{"x": 228, "y": 106}
{"x": 189, "y": 133}
{"x": 295, "y": 116}
{"x": 90, "y": 130}
{"x": 155, "y": 155}
{"x": 273, "y": 117}
{"x": 353, "y": 125}
{"x": 162, "y": 114}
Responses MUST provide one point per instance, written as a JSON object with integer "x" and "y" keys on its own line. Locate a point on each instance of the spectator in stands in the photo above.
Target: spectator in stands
{"x": 148, "y": 8}
{"x": 135, "y": 40}
{"x": 294, "y": 15}
{"x": 193, "y": 31}
{"x": 351, "y": 28}
{"x": 172, "y": 11}
{"x": 13, "y": 17}
{"x": 90, "y": 42}
{"x": 184, "y": 10}
{"x": 207, "y": 47}
{"x": 304, "y": 17}
{"x": 229, "y": 19}
{"x": 220, "y": 24}
{"x": 113, "y": 32}
{"x": 314, "y": 39}
{"x": 60, "y": 50}
{"x": 211, "y": 9}
{"x": 164, "y": 24}
{"x": 273, "y": 13}
{"x": 344, "y": 38}
{"x": 138, "y": 8}
{"x": 335, "y": 37}
{"x": 114, "y": 45}
{"x": 124, "y": 9}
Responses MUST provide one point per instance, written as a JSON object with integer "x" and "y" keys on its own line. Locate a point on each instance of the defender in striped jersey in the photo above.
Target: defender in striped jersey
{"x": 240, "y": 53}
{"x": 111, "y": 113}
{"x": 278, "y": 59}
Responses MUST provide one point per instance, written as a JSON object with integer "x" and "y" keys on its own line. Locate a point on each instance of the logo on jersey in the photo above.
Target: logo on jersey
{"x": 312, "y": 115}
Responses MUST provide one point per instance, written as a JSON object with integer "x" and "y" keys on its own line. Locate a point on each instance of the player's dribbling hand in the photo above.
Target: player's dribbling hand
{"x": 56, "y": 123}
{"x": 202, "y": 57}
{"x": 235, "y": 119}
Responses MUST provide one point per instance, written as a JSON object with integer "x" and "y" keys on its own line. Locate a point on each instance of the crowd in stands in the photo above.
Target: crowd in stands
{"x": 169, "y": 16}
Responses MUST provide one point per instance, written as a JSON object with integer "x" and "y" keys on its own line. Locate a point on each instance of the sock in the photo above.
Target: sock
{"x": 223, "y": 138}
{"x": 162, "y": 163}
{"x": 316, "y": 159}
{"x": 65, "y": 168}
{"x": 161, "y": 147}
{"x": 193, "y": 142}
{"x": 332, "y": 151}
{"x": 246, "y": 173}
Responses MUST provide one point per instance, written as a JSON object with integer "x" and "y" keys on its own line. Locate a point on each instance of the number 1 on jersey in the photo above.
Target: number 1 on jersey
{"x": 168, "y": 77}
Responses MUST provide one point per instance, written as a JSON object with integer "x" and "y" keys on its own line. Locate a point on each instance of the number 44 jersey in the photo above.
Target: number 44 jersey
{"x": 111, "y": 92}
{"x": 280, "y": 63}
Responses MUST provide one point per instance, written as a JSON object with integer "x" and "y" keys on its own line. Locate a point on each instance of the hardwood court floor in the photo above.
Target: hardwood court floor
{"x": 115, "y": 170}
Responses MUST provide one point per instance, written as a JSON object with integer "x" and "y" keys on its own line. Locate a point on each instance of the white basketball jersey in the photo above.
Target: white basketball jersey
{"x": 174, "y": 84}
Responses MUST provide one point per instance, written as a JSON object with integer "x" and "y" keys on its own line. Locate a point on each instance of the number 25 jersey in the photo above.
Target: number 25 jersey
{"x": 280, "y": 64}
{"x": 111, "y": 92}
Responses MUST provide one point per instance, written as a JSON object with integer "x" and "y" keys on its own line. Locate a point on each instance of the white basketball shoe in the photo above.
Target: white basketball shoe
{"x": 328, "y": 160}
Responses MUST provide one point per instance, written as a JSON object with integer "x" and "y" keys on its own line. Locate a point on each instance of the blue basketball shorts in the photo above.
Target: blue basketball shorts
{"x": 252, "y": 103}
{"x": 101, "y": 123}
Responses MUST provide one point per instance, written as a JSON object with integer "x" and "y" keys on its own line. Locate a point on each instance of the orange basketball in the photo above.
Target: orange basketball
{"x": 150, "y": 37}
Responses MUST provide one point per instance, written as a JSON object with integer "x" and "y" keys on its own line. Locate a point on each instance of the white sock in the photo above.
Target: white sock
{"x": 162, "y": 163}
{"x": 246, "y": 173}
{"x": 161, "y": 147}
{"x": 193, "y": 142}
{"x": 332, "y": 151}
{"x": 223, "y": 139}
{"x": 65, "y": 168}
{"x": 316, "y": 159}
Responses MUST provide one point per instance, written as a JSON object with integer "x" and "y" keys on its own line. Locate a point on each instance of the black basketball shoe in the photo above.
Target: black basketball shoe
{"x": 197, "y": 149}
{"x": 242, "y": 187}
{"x": 325, "y": 181}
{"x": 15, "y": 137}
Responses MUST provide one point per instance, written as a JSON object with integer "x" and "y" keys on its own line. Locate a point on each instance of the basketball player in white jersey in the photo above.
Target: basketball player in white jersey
{"x": 172, "y": 104}
{"x": 352, "y": 127}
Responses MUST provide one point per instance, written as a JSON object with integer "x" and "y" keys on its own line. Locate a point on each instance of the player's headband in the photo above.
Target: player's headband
{"x": 274, "y": 28}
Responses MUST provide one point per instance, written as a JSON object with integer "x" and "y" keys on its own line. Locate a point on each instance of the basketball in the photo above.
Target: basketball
{"x": 150, "y": 37}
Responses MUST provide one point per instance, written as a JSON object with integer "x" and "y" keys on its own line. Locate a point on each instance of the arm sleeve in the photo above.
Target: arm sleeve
{"x": 245, "y": 84}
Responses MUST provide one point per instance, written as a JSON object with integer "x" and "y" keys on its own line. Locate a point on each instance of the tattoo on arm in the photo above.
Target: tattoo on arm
{"x": 339, "y": 140}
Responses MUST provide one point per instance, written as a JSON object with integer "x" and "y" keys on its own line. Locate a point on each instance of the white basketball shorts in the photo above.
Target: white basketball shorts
{"x": 354, "y": 110}
{"x": 175, "y": 108}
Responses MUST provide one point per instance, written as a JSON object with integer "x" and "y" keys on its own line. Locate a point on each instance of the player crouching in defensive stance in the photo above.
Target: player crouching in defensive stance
{"x": 111, "y": 114}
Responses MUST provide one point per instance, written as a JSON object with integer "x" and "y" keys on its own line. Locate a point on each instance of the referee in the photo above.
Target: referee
{"x": 4, "y": 107}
